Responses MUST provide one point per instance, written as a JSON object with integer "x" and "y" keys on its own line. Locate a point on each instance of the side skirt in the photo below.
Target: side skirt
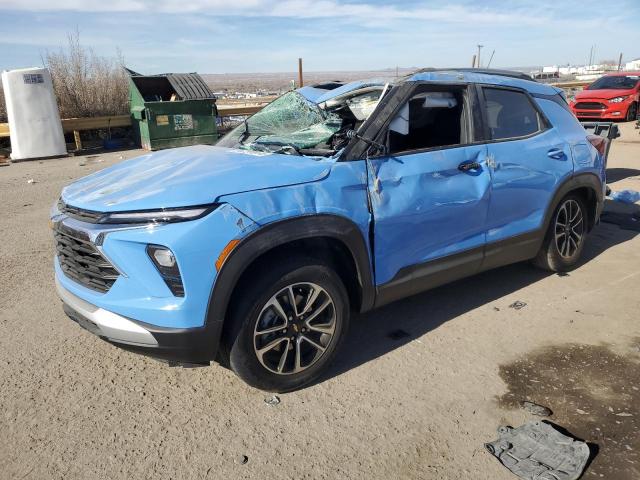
{"x": 425, "y": 276}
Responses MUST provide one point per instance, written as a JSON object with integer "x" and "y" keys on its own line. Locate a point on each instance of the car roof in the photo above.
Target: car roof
{"x": 505, "y": 78}
{"x": 622, "y": 74}
{"x": 502, "y": 78}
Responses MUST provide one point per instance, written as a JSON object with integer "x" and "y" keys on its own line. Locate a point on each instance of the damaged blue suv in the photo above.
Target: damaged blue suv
{"x": 333, "y": 199}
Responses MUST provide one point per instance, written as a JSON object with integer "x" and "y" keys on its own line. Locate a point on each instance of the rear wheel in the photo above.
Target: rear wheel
{"x": 289, "y": 325}
{"x": 564, "y": 241}
{"x": 632, "y": 112}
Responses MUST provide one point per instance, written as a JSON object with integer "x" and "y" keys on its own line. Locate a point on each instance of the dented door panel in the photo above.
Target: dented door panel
{"x": 425, "y": 207}
{"x": 524, "y": 179}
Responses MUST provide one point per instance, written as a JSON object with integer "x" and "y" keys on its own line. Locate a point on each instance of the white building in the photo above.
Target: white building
{"x": 633, "y": 65}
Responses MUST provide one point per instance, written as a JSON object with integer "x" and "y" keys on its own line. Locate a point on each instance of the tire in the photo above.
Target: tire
{"x": 564, "y": 241}
{"x": 274, "y": 347}
{"x": 632, "y": 112}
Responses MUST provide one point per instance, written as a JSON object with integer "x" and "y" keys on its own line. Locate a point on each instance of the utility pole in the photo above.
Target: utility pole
{"x": 490, "y": 59}
{"x": 479, "y": 48}
{"x": 300, "y": 79}
{"x": 473, "y": 61}
{"x": 620, "y": 62}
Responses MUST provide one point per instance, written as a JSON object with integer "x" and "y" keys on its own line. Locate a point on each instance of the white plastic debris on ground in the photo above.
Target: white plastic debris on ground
{"x": 537, "y": 451}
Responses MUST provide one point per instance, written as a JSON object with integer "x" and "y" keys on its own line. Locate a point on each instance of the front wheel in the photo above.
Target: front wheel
{"x": 632, "y": 112}
{"x": 565, "y": 238}
{"x": 291, "y": 322}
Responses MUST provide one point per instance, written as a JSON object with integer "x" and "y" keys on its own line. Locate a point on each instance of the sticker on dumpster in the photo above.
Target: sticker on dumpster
{"x": 183, "y": 122}
{"x": 162, "y": 120}
{"x": 31, "y": 78}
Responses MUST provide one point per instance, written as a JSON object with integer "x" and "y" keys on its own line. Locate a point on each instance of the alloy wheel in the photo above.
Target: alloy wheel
{"x": 569, "y": 228}
{"x": 294, "y": 328}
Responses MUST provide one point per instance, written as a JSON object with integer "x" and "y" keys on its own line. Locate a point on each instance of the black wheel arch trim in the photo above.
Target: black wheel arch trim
{"x": 279, "y": 233}
{"x": 580, "y": 180}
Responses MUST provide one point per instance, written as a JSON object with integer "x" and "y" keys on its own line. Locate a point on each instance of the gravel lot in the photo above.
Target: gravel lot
{"x": 419, "y": 388}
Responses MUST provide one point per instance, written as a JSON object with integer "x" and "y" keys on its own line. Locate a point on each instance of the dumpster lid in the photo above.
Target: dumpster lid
{"x": 188, "y": 86}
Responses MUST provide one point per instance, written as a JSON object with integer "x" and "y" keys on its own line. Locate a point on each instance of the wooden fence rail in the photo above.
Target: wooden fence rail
{"x": 94, "y": 123}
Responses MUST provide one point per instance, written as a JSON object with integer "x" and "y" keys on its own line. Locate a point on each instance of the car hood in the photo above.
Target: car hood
{"x": 189, "y": 176}
{"x": 605, "y": 93}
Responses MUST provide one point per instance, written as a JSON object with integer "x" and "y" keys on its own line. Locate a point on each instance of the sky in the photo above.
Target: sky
{"x": 239, "y": 36}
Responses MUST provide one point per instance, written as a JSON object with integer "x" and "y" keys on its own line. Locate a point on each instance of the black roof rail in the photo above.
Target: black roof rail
{"x": 487, "y": 71}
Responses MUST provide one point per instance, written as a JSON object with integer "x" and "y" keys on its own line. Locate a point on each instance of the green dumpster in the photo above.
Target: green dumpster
{"x": 172, "y": 110}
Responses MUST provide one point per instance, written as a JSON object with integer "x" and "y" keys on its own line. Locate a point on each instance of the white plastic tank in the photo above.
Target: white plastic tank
{"x": 34, "y": 120}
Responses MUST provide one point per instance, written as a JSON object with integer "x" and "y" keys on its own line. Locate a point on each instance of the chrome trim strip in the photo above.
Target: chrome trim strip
{"x": 111, "y": 325}
{"x": 108, "y": 259}
{"x": 93, "y": 230}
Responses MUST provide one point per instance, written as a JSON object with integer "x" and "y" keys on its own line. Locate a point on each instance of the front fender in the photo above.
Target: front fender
{"x": 281, "y": 232}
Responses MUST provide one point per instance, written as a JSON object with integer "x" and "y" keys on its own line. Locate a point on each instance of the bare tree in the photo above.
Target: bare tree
{"x": 3, "y": 106}
{"x": 85, "y": 84}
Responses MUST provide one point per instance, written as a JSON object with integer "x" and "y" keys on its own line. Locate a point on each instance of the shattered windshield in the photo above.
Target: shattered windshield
{"x": 294, "y": 125}
{"x": 291, "y": 121}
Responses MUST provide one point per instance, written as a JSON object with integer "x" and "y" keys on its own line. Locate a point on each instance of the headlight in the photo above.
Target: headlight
{"x": 161, "y": 215}
{"x": 167, "y": 215}
{"x": 618, "y": 99}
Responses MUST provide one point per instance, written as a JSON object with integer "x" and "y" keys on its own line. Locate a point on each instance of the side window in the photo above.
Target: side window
{"x": 430, "y": 120}
{"x": 510, "y": 114}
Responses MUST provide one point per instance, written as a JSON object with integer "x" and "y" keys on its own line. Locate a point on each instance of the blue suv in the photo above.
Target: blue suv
{"x": 333, "y": 199}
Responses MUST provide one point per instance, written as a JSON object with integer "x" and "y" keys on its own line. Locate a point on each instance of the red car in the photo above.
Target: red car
{"x": 614, "y": 96}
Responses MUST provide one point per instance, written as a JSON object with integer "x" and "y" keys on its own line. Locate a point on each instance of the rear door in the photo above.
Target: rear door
{"x": 528, "y": 158}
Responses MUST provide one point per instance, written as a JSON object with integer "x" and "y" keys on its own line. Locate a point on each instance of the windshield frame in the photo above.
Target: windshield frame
{"x": 607, "y": 78}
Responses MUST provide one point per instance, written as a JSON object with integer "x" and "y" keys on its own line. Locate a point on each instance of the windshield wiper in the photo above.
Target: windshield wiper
{"x": 245, "y": 134}
{"x": 263, "y": 147}
{"x": 283, "y": 146}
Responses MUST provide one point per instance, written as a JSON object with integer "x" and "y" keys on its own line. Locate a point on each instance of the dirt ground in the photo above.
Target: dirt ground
{"x": 418, "y": 389}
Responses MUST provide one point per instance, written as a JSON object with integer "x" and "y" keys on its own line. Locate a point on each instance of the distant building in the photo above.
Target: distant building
{"x": 633, "y": 65}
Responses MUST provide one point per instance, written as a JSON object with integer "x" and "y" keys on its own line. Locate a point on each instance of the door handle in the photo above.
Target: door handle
{"x": 466, "y": 166}
{"x": 555, "y": 153}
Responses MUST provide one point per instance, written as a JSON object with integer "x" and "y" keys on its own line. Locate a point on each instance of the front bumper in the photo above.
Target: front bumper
{"x": 610, "y": 112}
{"x": 104, "y": 323}
{"x": 138, "y": 312}
{"x": 184, "y": 346}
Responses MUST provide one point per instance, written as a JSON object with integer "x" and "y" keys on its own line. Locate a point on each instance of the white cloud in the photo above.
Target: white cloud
{"x": 220, "y": 34}
{"x": 522, "y": 13}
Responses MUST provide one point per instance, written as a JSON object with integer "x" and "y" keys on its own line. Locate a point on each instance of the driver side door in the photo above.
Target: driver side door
{"x": 429, "y": 195}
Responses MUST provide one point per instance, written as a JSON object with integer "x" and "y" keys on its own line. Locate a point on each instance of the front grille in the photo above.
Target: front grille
{"x": 83, "y": 263}
{"x": 590, "y": 106}
{"x": 88, "y": 216}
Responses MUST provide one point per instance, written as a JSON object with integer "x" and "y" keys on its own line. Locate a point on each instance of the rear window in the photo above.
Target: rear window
{"x": 510, "y": 114}
{"x": 616, "y": 82}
